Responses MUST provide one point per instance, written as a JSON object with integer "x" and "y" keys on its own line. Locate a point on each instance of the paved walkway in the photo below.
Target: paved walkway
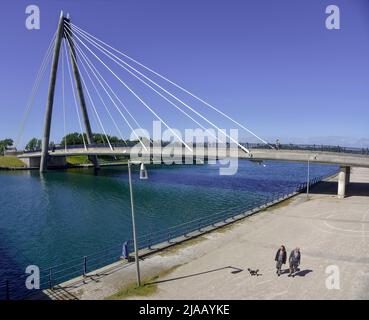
{"x": 329, "y": 231}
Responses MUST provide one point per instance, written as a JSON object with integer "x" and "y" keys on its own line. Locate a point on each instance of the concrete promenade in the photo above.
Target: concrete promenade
{"x": 329, "y": 231}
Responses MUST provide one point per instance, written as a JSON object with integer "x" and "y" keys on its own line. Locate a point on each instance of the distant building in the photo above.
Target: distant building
{"x": 11, "y": 151}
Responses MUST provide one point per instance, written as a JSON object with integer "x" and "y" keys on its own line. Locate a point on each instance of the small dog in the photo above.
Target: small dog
{"x": 254, "y": 272}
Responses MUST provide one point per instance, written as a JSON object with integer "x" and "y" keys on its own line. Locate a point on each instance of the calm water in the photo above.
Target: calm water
{"x": 50, "y": 219}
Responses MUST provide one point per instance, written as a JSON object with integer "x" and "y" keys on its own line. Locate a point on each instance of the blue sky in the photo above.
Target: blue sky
{"x": 272, "y": 65}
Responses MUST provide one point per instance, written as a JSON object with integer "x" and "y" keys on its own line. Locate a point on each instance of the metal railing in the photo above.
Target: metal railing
{"x": 250, "y": 146}
{"x": 13, "y": 288}
{"x": 309, "y": 147}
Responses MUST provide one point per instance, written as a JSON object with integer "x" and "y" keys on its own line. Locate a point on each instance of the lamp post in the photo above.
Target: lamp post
{"x": 143, "y": 175}
{"x": 308, "y": 179}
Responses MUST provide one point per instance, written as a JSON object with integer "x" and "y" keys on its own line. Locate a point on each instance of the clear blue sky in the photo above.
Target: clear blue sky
{"x": 270, "y": 64}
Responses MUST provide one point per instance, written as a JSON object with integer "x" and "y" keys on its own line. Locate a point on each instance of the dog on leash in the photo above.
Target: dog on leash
{"x": 254, "y": 272}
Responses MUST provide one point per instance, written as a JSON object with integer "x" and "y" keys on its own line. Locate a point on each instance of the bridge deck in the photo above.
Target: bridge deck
{"x": 325, "y": 157}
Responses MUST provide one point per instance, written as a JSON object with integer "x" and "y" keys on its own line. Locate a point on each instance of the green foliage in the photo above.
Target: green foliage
{"x": 76, "y": 160}
{"x": 4, "y": 144}
{"x": 76, "y": 138}
{"x": 133, "y": 290}
{"x": 33, "y": 145}
{"x": 117, "y": 158}
{"x": 100, "y": 138}
{"x": 73, "y": 139}
{"x": 147, "y": 288}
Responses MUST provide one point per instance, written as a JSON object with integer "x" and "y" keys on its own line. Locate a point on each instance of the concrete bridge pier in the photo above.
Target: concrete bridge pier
{"x": 52, "y": 162}
{"x": 343, "y": 181}
{"x": 348, "y": 173}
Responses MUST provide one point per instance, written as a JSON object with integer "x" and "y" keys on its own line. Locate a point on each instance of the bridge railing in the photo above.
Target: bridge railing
{"x": 81, "y": 146}
{"x": 13, "y": 287}
{"x": 250, "y": 146}
{"x": 309, "y": 147}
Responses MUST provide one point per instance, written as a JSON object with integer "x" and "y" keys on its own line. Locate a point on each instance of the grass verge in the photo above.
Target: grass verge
{"x": 82, "y": 160}
{"x": 76, "y": 160}
{"x": 148, "y": 287}
{"x": 132, "y": 290}
{"x": 11, "y": 162}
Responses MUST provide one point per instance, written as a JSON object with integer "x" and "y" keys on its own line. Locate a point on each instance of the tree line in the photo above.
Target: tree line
{"x": 72, "y": 139}
{"x": 4, "y": 144}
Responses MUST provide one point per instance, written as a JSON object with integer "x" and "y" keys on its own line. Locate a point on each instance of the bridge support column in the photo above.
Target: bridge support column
{"x": 50, "y": 97}
{"x": 49, "y": 107}
{"x": 343, "y": 180}
{"x": 82, "y": 102}
{"x": 31, "y": 162}
{"x": 348, "y": 173}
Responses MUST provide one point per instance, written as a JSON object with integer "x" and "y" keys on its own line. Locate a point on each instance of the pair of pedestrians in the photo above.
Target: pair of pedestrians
{"x": 293, "y": 260}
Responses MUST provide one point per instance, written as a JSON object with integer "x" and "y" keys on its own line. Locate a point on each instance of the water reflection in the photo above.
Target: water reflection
{"x": 47, "y": 219}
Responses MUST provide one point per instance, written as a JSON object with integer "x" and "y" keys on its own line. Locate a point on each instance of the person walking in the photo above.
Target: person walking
{"x": 280, "y": 258}
{"x": 277, "y": 144}
{"x": 294, "y": 261}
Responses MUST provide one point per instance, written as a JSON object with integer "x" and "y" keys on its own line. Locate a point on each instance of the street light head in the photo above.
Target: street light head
{"x": 143, "y": 172}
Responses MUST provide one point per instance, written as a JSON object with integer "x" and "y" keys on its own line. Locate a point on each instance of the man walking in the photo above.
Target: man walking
{"x": 294, "y": 261}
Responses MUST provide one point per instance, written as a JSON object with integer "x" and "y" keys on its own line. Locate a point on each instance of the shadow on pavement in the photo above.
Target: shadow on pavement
{"x": 303, "y": 273}
{"x": 352, "y": 189}
{"x": 234, "y": 271}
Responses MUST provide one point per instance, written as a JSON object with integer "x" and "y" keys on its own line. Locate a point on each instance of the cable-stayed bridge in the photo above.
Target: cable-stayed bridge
{"x": 79, "y": 53}
{"x": 355, "y": 157}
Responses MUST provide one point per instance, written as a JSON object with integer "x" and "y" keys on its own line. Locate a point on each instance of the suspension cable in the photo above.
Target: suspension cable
{"x": 107, "y": 84}
{"x": 40, "y": 75}
{"x": 153, "y": 89}
{"x": 94, "y": 71}
{"x": 173, "y": 96}
{"x": 90, "y": 98}
{"x": 96, "y": 74}
{"x": 141, "y": 100}
{"x": 76, "y": 28}
{"x": 111, "y": 99}
{"x": 102, "y": 100}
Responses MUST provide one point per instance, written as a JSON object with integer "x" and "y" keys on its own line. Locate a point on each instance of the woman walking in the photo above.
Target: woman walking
{"x": 280, "y": 258}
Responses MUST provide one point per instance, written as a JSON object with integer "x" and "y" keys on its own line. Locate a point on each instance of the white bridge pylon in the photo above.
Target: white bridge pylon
{"x": 82, "y": 51}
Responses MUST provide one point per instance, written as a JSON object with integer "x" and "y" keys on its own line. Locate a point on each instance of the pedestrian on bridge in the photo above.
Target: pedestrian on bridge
{"x": 277, "y": 144}
{"x": 280, "y": 258}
